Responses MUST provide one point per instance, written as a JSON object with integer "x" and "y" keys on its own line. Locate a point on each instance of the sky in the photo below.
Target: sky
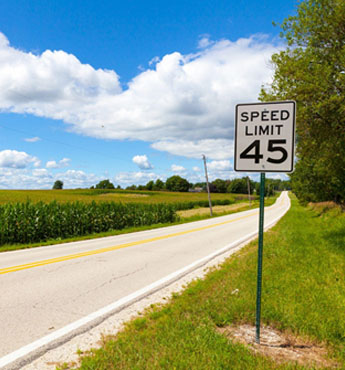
{"x": 129, "y": 91}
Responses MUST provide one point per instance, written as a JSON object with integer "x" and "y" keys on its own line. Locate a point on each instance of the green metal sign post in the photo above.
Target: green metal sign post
{"x": 260, "y": 250}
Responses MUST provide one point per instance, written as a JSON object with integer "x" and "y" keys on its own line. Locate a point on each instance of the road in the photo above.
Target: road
{"x": 51, "y": 291}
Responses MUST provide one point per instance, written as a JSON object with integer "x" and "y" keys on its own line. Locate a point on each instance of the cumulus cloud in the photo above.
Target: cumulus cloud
{"x": 32, "y": 139}
{"x": 41, "y": 172}
{"x": 212, "y": 148}
{"x": 54, "y": 84}
{"x": 26, "y": 178}
{"x": 135, "y": 178}
{"x": 60, "y": 164}
{"x": 196, "y": 169}
{"x": 182, "y": 99}
{"x": 177, "y": 168}
{"x": 15, "y": 159}
{"x": 219, "y": 166}
{"x": 142, "y": 162}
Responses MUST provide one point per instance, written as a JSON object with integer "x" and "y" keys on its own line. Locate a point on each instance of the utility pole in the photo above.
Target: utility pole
{"x": 250, "y": 199}
{"x": 207, "y": 185}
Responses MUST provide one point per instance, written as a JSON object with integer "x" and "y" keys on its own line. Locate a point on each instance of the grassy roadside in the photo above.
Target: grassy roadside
{"x": 220, "y": 211}
{"x": 303, "y": 293}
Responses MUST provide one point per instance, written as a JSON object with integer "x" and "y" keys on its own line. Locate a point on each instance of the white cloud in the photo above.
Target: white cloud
{"x": 177, "y": 168}
{"x": 196, "y": 169}
{"x": 15, "y": 159}
{"x": 212, "y": 148}
{"x": 205, "y": 42}
{"x": 62, "y": 163}
{"x": 41, "y": 172}
{"x": 54, "y": 84}
{"x": 142, "y": 162}
{"x": 32, "y": 139}
{"x": 136, "y": 178}
{"x": 17, "y": 178}
{"x": 219, "y": 166}
{"x": 182, "y": 99}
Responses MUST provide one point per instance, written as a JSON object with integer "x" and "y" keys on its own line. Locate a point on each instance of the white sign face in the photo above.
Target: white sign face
{"x": 265, "y": 137}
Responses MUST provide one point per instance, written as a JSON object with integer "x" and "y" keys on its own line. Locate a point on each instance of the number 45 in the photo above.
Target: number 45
{"x": 272, "y": 147}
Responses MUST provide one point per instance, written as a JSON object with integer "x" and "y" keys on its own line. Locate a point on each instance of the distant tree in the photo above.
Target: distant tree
{"x": 238, "y": 186}
{"x": 149, "y": 185}
{"x": 105, "y": 184}
{"x": 177, "y": 183}
{"x": 92, "y": 187}
{"x": 220, "y": 185}
{"x": 159, "y": 185}
{"x": 141, "y": 187}
{"x": 118, "y": 187}
{"x": 131, "y": 187}
{"x": 58, "y": 184}
{"x": 269, "y": 188}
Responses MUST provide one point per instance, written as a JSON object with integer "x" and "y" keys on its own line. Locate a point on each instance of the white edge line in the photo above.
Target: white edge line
{"x": 25, "y": 350}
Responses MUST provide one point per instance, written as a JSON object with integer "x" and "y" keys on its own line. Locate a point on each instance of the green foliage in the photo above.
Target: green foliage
{"x": 149, "y": 185}
{"x": 58, "y": 185}
{"x": 311, "y": 72}
{"x": 34, "y": 222}
{"x": 177, "y": 183}
{"x": 240, "y": 186}
{"x": 159, "y": 185}
{"x": 105, "y": 184}
{"x": 220, "y": 186}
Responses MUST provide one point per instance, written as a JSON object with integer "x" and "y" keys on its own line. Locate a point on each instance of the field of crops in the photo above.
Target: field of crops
{"x": 35, "y": 222}
{"x": 31, "y": 216}
{"x": 97, "y": 195}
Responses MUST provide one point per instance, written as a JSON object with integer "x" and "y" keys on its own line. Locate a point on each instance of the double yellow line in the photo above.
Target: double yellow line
{"x": 30, "y": 265}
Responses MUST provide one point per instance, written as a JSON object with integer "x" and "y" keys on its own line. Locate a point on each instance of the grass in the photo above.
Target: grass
{"x": 303, "y": 293}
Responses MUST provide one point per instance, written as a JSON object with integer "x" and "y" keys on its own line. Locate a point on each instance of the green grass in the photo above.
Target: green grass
{"x": 303, "y": 293}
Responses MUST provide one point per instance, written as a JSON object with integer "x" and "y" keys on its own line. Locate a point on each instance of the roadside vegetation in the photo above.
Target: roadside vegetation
{"x": 311, "y": 71}
{"x": 303, "y": 295}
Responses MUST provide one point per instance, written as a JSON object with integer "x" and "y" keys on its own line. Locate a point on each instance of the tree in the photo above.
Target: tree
{"x": 311, "y": 72}
{"x": 150, "y": 185}
{"x": 177, "y": 183}
{"x": 238, "y": 186}
{"x": 220, "y": 185}
{"x": 159, "y": 185}
{"x": 58, "y": 184}
{"x": 105, "y": 184}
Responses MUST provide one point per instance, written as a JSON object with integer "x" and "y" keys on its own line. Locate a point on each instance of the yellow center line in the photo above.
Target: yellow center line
{"x": 25, "y": 266}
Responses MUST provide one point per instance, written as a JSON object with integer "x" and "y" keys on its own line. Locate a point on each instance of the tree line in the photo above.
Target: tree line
{"x": 179, "y": 184}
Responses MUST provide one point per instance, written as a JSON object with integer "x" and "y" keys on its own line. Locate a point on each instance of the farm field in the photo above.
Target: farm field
{"x": 99, "y": 195}
{"x": 30, "y": 218}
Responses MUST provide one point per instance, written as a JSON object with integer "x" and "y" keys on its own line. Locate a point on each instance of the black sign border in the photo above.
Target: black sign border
{"x": 293, "y": 135}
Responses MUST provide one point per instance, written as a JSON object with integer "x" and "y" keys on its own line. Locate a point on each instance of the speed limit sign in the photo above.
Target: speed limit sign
{"x": 265, "y": 137}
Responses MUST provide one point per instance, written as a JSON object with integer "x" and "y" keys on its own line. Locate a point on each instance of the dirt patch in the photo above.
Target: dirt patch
{"x": 280, "y": 347}
{"x": 216, "y": 209}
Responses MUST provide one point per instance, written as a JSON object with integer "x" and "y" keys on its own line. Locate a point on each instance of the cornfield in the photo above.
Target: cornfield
{"x": 35, "y": 222}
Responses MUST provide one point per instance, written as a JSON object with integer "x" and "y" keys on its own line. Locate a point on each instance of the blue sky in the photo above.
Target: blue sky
{"x": 130, "y": 91}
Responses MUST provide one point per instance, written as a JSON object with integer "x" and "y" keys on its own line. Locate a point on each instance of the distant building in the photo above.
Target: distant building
{"x": 196, "y": 190}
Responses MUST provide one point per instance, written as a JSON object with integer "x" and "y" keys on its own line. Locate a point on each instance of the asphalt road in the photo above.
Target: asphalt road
{"x": 44, "y": 289}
